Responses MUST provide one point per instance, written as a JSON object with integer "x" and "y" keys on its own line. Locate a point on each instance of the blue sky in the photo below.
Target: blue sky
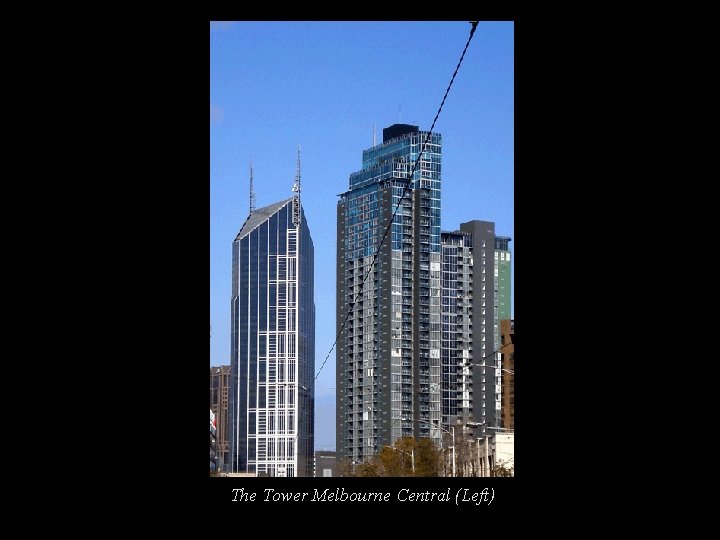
{"x": 323, "y": 86}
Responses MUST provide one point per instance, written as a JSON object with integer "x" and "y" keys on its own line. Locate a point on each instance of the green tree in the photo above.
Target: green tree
{"x": 427, "y": 458}
{"x": 369, "y": 468}
{"x": 397, "y": 460}
{"x": 466, "y": 454}
{"x": 344, "y": 467}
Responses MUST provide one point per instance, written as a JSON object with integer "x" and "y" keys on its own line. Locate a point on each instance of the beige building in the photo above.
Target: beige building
{"x": 496, "y": 450}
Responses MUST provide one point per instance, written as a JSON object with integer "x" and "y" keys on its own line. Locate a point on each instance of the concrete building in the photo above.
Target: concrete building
{"x": 325, "y": 463}
{"x": 475, "y": 288}
{"x": 388, "y": 351}
{"x": 496, "y": 450}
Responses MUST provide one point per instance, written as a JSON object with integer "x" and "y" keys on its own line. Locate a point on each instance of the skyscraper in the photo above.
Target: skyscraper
{"x": 273, "y": 342}
{"x": 457, "y": 311}
{"x": 475, "y": 288}
{"x": 502, "y": 279}
{"x": 503, "y": 312}
{"x": 388, "y": 352}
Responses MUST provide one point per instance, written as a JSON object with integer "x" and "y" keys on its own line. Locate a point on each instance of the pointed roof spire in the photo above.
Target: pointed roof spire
{"x": 297, "y": 173}
{"x": 296, "y": 190}
{"x": 252, "y": 190}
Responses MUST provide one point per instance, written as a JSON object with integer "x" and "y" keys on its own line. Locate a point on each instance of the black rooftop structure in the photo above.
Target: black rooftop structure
{"x": 397, "y": 130}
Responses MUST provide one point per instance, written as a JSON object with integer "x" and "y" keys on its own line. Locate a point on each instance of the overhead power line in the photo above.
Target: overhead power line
{"x": 417, "y": 160}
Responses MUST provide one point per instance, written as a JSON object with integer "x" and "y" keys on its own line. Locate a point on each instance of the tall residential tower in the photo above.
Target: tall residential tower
{"x": 475, "y": 291}
{"x": 273, "y": 342}
{"x": 388, "y": 352}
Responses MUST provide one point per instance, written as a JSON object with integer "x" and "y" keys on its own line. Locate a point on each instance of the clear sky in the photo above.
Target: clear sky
{"x": 323, "y": 86}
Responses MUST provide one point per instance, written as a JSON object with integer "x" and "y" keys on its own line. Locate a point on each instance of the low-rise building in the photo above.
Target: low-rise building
{"x": 325, "y": 463}
{"x": 496, "y": 450}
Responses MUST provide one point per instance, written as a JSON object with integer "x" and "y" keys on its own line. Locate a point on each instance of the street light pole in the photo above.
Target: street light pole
{"x": 480, "y": 364}
{"x": 411, "y": 454}
{"x": 487, "y": 454}
{"x": 453, "y": 439}
{"x": 475, "y": 424}
{"x": 491, "y": 367}
{"x": 443, "y": 429}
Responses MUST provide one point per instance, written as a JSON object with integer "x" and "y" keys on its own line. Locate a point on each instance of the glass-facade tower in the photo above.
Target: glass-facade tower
{"x": 273, "y": 343}
{"x": 388, "y": 352}
{"x": 502, "y": 279}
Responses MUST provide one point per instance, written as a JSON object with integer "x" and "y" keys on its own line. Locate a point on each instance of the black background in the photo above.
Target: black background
{"x": 154, "y": 218}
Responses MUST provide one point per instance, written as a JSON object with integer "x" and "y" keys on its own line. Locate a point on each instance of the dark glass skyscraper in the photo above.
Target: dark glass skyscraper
{"x": 273, "y": 343}
{"x": 388, "y": 353}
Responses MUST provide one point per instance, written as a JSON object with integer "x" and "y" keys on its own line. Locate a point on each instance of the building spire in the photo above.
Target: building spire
{"x": 374, "y": 135}
{"x": 252, "y": 190}
{"x": 296, "y": 190}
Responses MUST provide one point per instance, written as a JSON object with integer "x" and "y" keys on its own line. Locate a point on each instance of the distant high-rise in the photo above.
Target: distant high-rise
{"x": 502, "y": 279}
{"x": 388, "y": 353}
{"x": 219, "y": 402}
{"x": 475, "y": 288}
{"x": 273, "y": 343}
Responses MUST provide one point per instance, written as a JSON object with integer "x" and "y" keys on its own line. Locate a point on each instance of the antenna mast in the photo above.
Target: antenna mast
{"x": 296, "y": 190}
{"x": 252, "y": 190}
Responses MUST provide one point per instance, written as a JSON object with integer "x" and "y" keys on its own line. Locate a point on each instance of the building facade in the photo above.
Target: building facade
{"x": 507, "y": 339}
{"x": 475, "y": 288}
{"x": 213, "y": 444}
{"x": 502, "y": 280}
{"x": 496, "y": 450}
{"x": 273, "y": 343}
{"x": 388, "y": 307}
{"x": 456, "y": 348}
{"x": 325, "y": 463}
{"x": 219, "y": 402}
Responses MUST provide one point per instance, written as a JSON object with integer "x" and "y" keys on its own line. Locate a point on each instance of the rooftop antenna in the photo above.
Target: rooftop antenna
{"x": 374, "y": 135}
{"x": 252, "y": 191}
{"x": 296, "y": 190}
